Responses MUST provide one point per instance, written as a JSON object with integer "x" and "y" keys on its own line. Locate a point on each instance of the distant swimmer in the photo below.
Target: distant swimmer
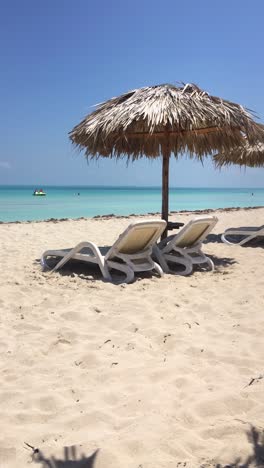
{"x": 79, "y": 194}
{"x": 252, "y": 194}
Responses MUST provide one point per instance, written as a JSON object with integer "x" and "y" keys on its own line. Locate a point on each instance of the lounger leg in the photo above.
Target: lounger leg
{"x": 163, "y": 261}
{"x": 248, "y": 239}
{"x": 158, "y": 269}
{"x": 186, "y": 263}
{"x": 226, "y": 241}
{"x": 97, "y": 255}
{"x": 69, "y": 255}
{"x": 234, "y": 233}
{"x": 124, "y": 268}
{"x": 210, "y": 263}
{"x": 159, "y": 257}
{"x": 182, "y": 259}
{"x": 202, "y": 258}
{"x": 43, "y": 261}
{"x": 104, "y": 269}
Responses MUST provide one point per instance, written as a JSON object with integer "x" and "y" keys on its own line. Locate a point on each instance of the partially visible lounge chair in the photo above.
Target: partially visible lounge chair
{"x": 247, "y": 234}
{"x": 185, "y": 247}
{"x": 130, "y": 253}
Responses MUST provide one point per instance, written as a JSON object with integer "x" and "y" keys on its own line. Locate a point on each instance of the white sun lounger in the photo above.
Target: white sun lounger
{"x": 130, "y": 253}
{"x": 247, "y": 234}
{"x": 185, "y": 247}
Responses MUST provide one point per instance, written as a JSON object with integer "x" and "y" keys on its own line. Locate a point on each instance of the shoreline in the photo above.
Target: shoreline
{"x": 133, "y": 215}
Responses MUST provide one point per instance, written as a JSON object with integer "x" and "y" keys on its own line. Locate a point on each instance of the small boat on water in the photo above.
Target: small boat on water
{"x": 39, "y": 193}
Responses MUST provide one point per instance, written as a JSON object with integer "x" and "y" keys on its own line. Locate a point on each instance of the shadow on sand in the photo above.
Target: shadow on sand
{"x": 256, "y": 438}
{"x": 220, "y": 262}
{"x": 70, "y": 459}
{"x": 91, "y": 272}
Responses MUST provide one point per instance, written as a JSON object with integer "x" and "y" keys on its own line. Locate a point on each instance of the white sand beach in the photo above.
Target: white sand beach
{"x": 164, "y": 372}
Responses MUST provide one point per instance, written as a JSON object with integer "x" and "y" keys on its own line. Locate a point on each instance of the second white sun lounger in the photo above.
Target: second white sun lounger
{"x": 130, "y": 253}
{"x": 244, "y": 235}
{"x": 185, "y": 248}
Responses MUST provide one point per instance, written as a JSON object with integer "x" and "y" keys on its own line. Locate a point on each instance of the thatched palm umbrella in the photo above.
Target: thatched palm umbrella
{"x": 163, "y": 120}
{"x": 251, "y": 155}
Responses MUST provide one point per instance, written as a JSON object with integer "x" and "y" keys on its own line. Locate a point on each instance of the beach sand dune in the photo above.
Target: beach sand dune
{"x": 164, "y": 372}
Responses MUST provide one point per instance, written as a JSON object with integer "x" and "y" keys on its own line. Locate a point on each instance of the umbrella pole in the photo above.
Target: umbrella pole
{"x": 165, "y": 188}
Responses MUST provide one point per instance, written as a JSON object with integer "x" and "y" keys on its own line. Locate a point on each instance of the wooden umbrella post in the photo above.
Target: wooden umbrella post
{"x": 165, "y": 182}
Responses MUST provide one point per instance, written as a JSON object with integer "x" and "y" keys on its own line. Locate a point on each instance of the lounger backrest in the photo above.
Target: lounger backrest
{"x": 194, "y": 231}
{"x": 137, "y": 237}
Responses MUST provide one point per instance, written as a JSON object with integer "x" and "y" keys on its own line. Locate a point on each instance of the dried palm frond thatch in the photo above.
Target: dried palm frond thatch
{"x": 248, "y": 155}
{"x": 140, "y": 122}
{"x": 251, "y": 155}
{"x": 163, "y": 120}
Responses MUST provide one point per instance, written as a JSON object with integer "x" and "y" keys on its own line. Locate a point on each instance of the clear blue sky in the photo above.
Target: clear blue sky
{"x": 60, "y": 57}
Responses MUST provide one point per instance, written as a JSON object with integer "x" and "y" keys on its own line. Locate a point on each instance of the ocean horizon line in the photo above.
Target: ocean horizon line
{"x": 159, "y": 187}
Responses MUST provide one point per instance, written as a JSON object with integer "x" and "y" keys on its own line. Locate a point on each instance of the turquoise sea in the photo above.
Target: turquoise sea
{"x": 18, "y": 204}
